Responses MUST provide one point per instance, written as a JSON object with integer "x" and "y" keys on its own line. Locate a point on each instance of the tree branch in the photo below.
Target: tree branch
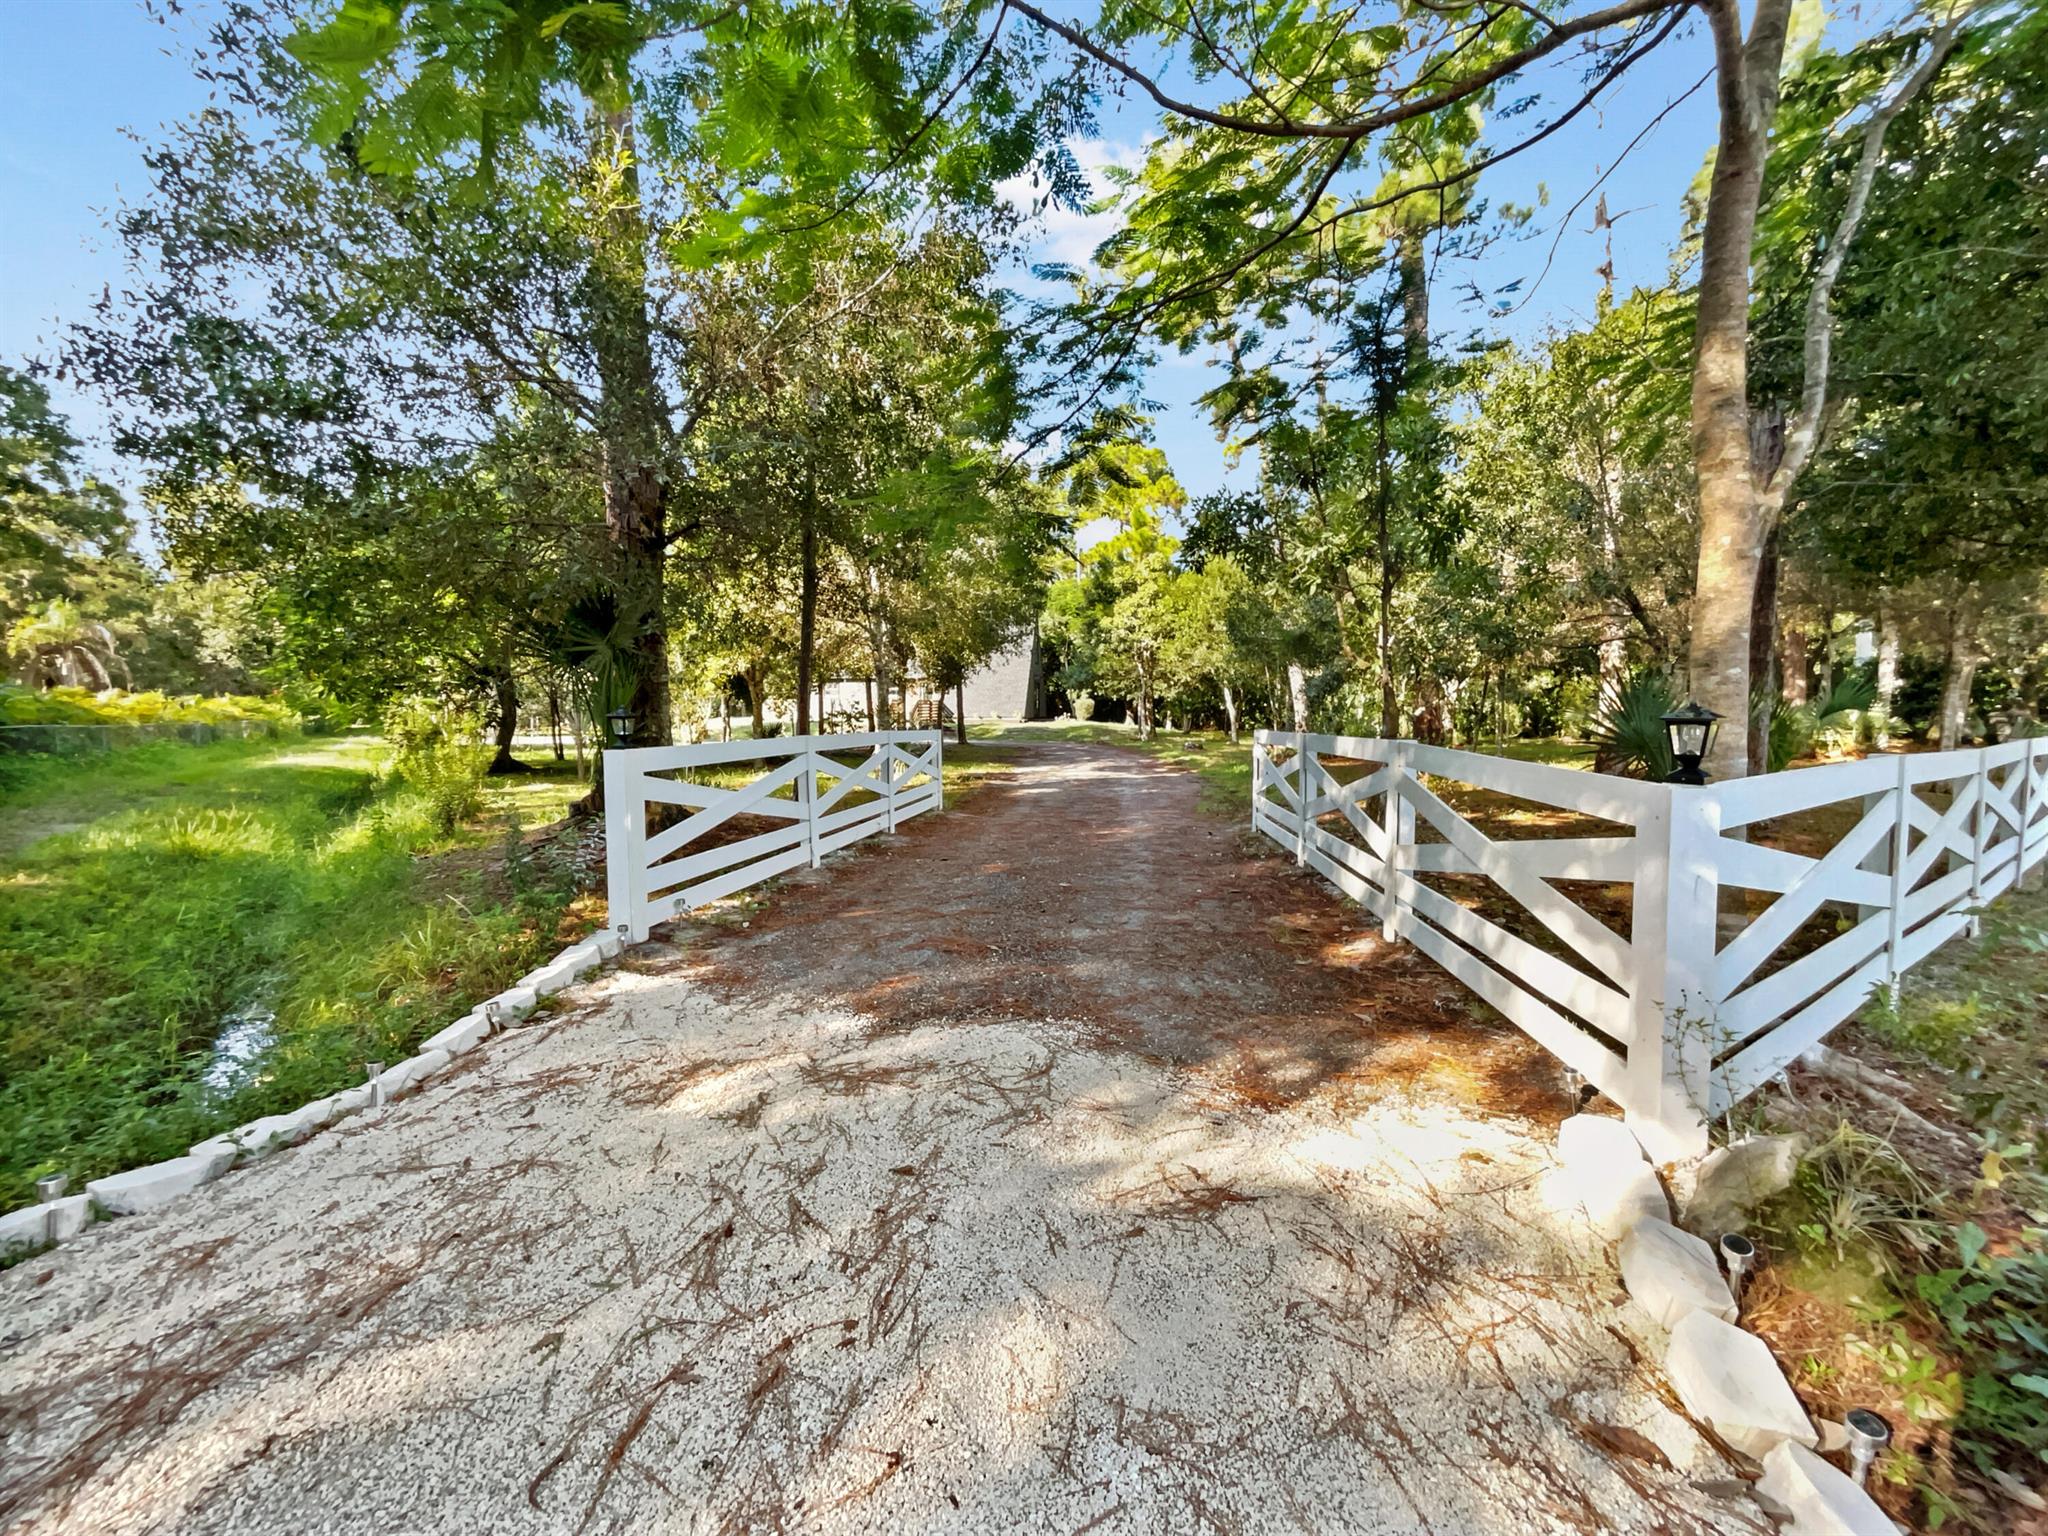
{"x": 1802, "y": 435}
{"x": 1358, "y": 127}
{"x": 1438, "y": 184}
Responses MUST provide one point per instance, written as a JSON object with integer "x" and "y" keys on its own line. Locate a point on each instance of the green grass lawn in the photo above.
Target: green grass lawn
{"x": 148, "y": 895}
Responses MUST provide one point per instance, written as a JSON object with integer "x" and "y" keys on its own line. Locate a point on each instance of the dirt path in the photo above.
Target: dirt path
{"x": 1032, "y": 1241}
{"x": 1089, "y": 886}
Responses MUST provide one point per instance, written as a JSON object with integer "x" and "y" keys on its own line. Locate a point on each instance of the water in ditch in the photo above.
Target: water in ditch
{"x": 245, "y": 1036}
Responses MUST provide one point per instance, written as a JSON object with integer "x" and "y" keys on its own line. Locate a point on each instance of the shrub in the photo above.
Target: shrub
{"x": 441, "y": 758}
{"x": 81, "y": 706}
{"x": 1994, "y": 1311}
{"x": 1833, "y": 720}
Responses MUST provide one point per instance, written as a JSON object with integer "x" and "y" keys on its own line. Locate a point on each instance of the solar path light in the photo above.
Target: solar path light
{"x": 1868, "y": 1436}
{"x": 50, "y": 1189}
{"x": 1739, "y": 1254}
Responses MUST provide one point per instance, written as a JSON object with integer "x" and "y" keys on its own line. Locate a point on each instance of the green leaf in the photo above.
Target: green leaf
{"x": 1970, "y": 1240}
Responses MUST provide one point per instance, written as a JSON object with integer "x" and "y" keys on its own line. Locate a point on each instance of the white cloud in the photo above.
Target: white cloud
{"x": 1066, "y": 235}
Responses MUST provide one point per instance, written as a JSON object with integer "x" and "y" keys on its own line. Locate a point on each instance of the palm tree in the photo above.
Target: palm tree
{"x": 59, "y": 648}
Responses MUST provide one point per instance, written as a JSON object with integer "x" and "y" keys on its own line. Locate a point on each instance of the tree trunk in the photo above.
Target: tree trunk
{"x": 1747, "y": 462}
{"x": 756, "y": 686}
{"x": 1297, "y": 694}
{"x": 555, "y": 712}
{"x": 1732, "y": 523}
{"x": 1763, "y": 654}
{"x": 1414, "y": 303}
{"x": 1613, "y": 651}
{"x": 882, "y": 646}
{"x": 1794, "y": 649}
{"x": 1960, "y": 671}
{"x": 960, "y": 709}
{"x": 807, "y": 615}
{"x": 505, "y": 716}
{"x": 1887, "y": 671}
{"x": 1230, "y": 711}
{"x": 631, "y": 422}
{"x": 1390, "y": 698}
{"x": 868, "y": 686}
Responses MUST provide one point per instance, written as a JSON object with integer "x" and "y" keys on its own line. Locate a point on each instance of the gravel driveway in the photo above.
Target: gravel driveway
{"x": 718, "y": 1250}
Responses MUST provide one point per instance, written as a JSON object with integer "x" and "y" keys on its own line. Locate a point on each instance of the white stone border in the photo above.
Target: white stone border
{"x": 1727, "y": 1378}
{"x": 34, "y": 1228}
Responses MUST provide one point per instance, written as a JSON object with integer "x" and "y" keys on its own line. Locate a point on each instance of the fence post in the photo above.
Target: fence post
{"x": 1977, "y": 830}
{"x": 888, "y": 750}
{"x": 1397, "y": 819}
{"x": 1301, "y": 764}
{"x": 807, "y": 792}
{"x": 625, "y": 841}
{"x": 1258, "y": 776}
{"x": 1673, "y": 1030}
{"x": 2019, "y": 878}
{"x": 939, "y": 772}
{"x": 1901, "y": 827}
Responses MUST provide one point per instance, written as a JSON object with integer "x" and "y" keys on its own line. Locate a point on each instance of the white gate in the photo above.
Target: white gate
{"x": 825, "y": 791}
{"x": 1740, "y": 943}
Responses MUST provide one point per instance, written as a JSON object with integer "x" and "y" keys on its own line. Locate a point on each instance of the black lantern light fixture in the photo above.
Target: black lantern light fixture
{"x": 1690, "y": 728}
{"x": 622, "y": 722}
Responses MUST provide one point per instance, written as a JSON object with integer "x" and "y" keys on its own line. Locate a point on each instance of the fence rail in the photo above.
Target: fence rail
{"x": 813, "y": 798}
{"x": 1758, "y": 915}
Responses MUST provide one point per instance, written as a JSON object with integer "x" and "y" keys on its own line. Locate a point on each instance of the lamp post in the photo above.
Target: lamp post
{"x": 622, "y": 721}
{"x": 1690, "y": 729}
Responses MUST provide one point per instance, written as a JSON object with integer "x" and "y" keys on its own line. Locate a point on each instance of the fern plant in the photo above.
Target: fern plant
{"x": 1833, "y": 717}
{"x": 1630, "y": 737}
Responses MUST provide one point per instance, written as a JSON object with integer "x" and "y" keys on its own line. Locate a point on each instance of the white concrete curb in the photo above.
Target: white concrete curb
{"x": 138, "y": 1191}
{"x": 1727, "y": 1378}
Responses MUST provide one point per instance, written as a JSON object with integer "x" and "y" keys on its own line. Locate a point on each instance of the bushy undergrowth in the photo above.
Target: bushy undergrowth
{"x": 1951, "y": 1267}
{"x": 294, "y": 884}
{"x": 442, "y": 758}
{"x": 81, "y": 706}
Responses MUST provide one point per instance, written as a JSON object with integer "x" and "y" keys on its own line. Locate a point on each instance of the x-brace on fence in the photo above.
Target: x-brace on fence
{"x": 756, "y": 809}
{"x": 1677, "y": 945}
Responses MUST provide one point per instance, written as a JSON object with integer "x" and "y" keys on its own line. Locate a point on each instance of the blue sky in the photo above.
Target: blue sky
{"x": 77, "y": 76}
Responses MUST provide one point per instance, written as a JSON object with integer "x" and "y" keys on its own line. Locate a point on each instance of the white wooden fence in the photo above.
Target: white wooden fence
{"x": 1759, "y": 913}
{"x": 827, "y": 791}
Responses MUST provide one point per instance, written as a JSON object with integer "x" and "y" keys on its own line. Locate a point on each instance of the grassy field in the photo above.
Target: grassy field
{"x": 150, "y": 896}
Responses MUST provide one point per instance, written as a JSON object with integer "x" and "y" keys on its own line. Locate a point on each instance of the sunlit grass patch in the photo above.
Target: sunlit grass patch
{"x": 306, "y": 882}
